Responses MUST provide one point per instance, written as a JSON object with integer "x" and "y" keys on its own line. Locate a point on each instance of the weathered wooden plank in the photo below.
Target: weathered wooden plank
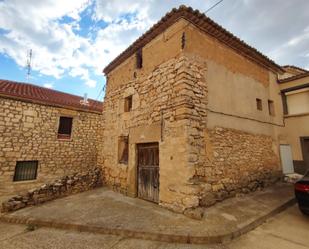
{"x": 148, "y": 172}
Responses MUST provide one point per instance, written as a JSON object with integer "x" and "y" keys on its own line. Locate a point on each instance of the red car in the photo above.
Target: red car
{"x": 302, "y": 193}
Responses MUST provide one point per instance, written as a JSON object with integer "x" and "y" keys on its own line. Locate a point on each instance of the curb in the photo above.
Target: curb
{"x": 172, "y": 238}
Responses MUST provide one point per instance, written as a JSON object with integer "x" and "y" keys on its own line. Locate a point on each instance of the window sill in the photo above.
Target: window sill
{"x": 296, "y": 115}
{"x": 25, "y": 181}
{"x": 64, "y": 137}
{"x": 122, "y": 164}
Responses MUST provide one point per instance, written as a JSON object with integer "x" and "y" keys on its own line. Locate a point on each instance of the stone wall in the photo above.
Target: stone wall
{"x": 29, "y": 132}
{"x": 198, "y": 165}
{"x": 59, "y": 188}
{"x": 235, "y": 162}
{"x": 172, "y": 105}
{"x": 168, "y": 100}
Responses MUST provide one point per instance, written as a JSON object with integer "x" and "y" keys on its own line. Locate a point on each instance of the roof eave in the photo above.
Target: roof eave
{"x": 185, "y": 13}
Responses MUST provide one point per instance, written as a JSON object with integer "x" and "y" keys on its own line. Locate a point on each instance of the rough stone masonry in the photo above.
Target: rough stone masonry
{"x": 29, "y": 132}
{"x": 198, "y": 166}
{"x": 64, "y": 186}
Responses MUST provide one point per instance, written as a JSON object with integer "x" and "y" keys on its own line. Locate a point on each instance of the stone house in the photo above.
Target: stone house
{"x": 191, "y": 114}
{"x": 45, "y": 134}
{"x": 294, "y": 87}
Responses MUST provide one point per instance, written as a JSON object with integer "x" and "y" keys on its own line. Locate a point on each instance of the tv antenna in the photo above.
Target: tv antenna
{"x": 29, "y": 58}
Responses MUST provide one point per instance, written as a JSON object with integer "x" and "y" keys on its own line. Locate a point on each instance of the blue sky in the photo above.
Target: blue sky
{"x": 72, "y": 41}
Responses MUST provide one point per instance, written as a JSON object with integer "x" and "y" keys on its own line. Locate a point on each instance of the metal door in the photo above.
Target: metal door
{"x": 148, "y": 171}
{"x": 286, "y": 159}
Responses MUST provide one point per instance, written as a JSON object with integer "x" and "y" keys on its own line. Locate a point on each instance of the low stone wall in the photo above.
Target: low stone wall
{"x": 65, "y": 186}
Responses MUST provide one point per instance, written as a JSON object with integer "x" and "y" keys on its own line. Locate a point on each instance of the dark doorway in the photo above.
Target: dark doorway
{"x": 305, "y": 150}
{"x": 148, "y": 171}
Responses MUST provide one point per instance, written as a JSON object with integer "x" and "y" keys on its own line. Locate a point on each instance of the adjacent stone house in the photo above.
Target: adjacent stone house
{"x": 191, "y": 115}
{"x": 294, "y": 145}
{"x": 45, "y": 134}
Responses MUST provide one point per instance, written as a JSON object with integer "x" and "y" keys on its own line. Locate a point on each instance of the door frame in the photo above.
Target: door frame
{"x": 282, "y": 166}
{"x": 137, "y": 165}
{"x": 302, "y": 144}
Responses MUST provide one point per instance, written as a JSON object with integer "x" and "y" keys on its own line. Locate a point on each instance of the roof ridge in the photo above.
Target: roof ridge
{"x": 46, "y": 89}
{"x": 42, "y": 95}
{"x": 190, "y": 15}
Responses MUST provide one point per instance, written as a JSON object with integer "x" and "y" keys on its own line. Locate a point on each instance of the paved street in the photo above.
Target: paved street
{"x": 106, "y": 211}
{"x": 288, "y": 230}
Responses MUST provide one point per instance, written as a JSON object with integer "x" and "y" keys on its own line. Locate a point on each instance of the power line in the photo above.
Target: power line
{"x": 101, "y": 91}
{"x": 209, "y": 9}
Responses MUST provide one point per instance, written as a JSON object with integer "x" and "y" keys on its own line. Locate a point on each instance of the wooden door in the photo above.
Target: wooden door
{"x": 148, "y": 172}
{"x": 305, "y": 150}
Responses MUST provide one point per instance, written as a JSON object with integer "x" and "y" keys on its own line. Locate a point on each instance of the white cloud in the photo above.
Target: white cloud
{"x": 91, "y": 83}
{"x": 59, "y": 50}
{"x": 36, "y": 25}
{"x": 48, "y": 85}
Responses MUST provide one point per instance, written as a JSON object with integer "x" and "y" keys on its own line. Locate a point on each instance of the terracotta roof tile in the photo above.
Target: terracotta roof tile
{"x": 294, "y": 67}
{"x": 204, "y": 23}
{"x": 36, "y": 94}
{"x": 295, "y": 77}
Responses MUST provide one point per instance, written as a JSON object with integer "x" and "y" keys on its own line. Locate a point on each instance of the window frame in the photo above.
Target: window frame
{"x": 271, "y": 107}
{"x": 61, "y": 135}
{"x": 17, "y": 175}
{"x": 139, "y": 59}
{"x": 259, "y": 104}
{"x": 123, "y": 150}
{"x": 128, "y": 103}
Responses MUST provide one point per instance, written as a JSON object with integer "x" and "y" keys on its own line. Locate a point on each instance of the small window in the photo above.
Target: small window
{"x": 139, "y": 58}
{"x": 259, "y": 105}
{"x": 65, "y": 127}
{"x": 271, "y": 108}
{"x": 25, "y": 171}
{"x": 128, "y": 101}
{"x": 123, "y": 149}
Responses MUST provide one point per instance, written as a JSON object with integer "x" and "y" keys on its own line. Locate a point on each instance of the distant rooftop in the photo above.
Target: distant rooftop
{"x": 41, "y": 95}
{"x": 301, "y": 70}
{"x": 294, "y": 77}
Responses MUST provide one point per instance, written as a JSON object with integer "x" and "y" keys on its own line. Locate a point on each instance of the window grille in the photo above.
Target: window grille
{"x": 25, "y": 170}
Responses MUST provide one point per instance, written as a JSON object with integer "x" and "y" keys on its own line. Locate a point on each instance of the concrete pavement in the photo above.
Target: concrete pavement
{"x": 106, "y": 212}
{"x": 287, "y": 230}
{"x": 17, "y": 237}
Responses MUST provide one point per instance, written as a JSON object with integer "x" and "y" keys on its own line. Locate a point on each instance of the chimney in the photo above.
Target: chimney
{"x": 84, "y": 101}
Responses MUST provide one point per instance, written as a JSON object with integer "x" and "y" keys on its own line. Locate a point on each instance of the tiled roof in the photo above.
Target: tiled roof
{"x": 295, "y": 77}
{"x": 294, "y": 67}
{"x": 204, "y": 23}
{"x": 40, "y": 95}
